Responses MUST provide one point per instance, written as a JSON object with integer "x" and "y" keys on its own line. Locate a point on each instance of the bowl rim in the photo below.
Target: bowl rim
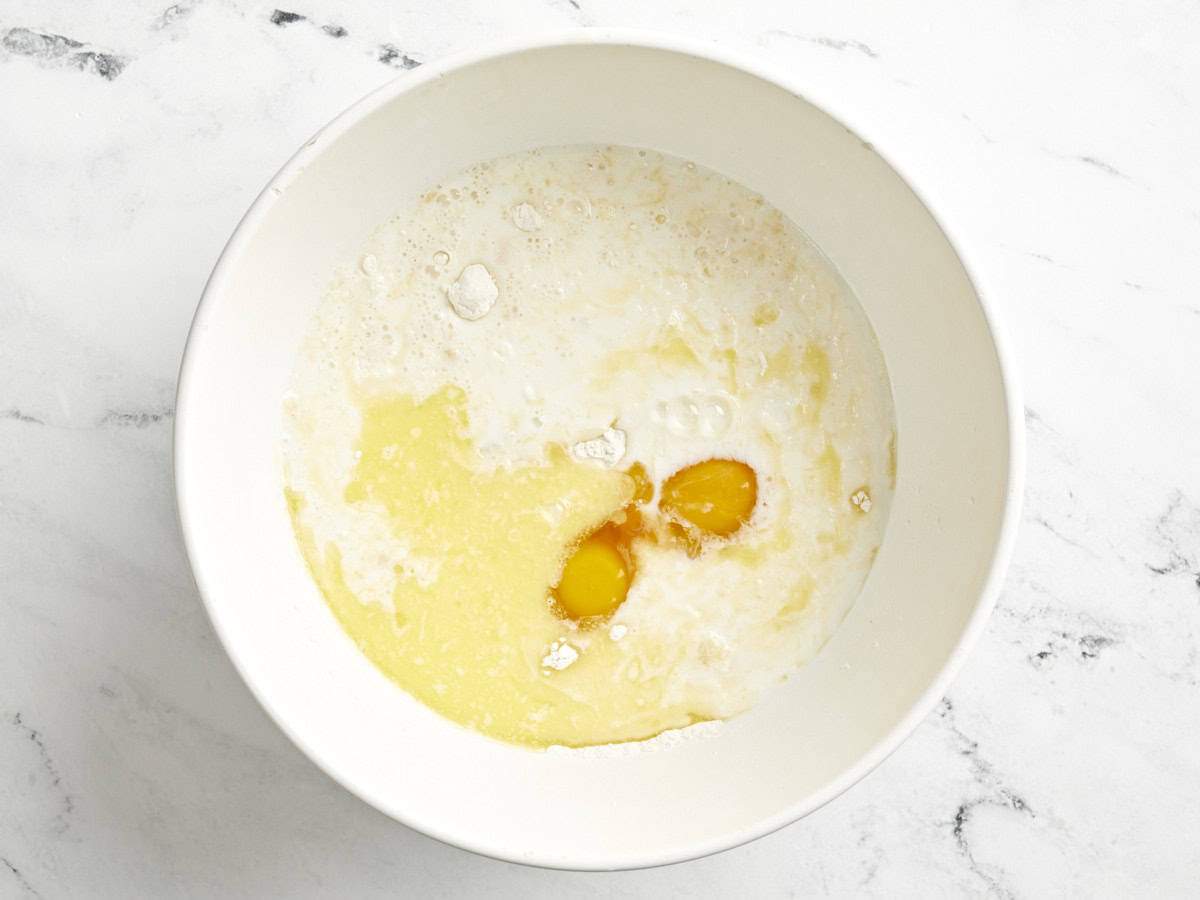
{"x": 709, "y": 51}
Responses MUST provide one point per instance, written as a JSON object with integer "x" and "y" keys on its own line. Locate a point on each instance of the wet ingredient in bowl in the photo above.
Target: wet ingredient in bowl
{"x": 596, "y": 446}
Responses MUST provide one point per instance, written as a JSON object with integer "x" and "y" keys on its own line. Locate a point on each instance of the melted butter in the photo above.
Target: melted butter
{"x": 828, "y": 470}
{"x": 470, "y": 644}
{"x": 798, "y": 598}
{"x": 814, "y": 364}
{"x": 782, "y": 365}
{"x": 670, "y": 349}
{"x": 891, "y": 460}
{"x": 765, "y": 314}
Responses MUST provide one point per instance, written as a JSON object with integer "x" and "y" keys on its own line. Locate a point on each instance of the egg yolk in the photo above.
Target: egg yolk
{"x": 595, "y": 579}
{"x": 717, "y": 495}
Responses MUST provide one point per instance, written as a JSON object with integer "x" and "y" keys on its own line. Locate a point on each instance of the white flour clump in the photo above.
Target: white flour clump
{"x": 474, "y": 293}
{"x": 560, "y": 656}
{"x": 526, "y": 217}
{"x": 609, "y": 447}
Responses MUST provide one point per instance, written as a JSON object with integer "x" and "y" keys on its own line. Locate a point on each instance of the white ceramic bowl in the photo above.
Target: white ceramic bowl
{"x": 933, "y": 583}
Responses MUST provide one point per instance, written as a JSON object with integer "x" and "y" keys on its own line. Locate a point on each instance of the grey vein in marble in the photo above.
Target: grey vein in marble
{"x": 994, "y": 793}
{"x": 1178, "y": 532}
{"x": 17, "y": 415}
{"x": 135, "y": 418}
{"x": 1033, "y": 254}
{"x": 1045, "y": 523}
{"x": 391, "y": 55}
{"x": 282, "y": 17}
{"x": 387, "y": 53}
{"x": 62, "y": 820}
{"x": 1084, "y": 647}
{"x": 22, "y": 881}
{"x": 58, "y": 50}
{"x": 987, "y": 136}
{"x": 830, "y": 42}
{"x": 1106, "y": 168}
{"x": 174, "y": 13}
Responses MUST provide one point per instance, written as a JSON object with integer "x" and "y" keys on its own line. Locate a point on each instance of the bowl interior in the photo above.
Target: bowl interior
{"x": 810, "y": 738}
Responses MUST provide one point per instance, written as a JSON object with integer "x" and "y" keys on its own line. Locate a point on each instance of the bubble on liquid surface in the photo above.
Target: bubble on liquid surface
{"x": 683, "y": 417}
{"x": 715, "y": 415}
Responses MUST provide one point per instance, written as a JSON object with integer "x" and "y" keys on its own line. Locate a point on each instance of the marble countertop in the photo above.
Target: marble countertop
{"x": 1059, "y": 138}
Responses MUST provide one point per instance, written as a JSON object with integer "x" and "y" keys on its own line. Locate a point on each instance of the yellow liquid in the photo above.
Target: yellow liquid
{"x": 470, "y": 645}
